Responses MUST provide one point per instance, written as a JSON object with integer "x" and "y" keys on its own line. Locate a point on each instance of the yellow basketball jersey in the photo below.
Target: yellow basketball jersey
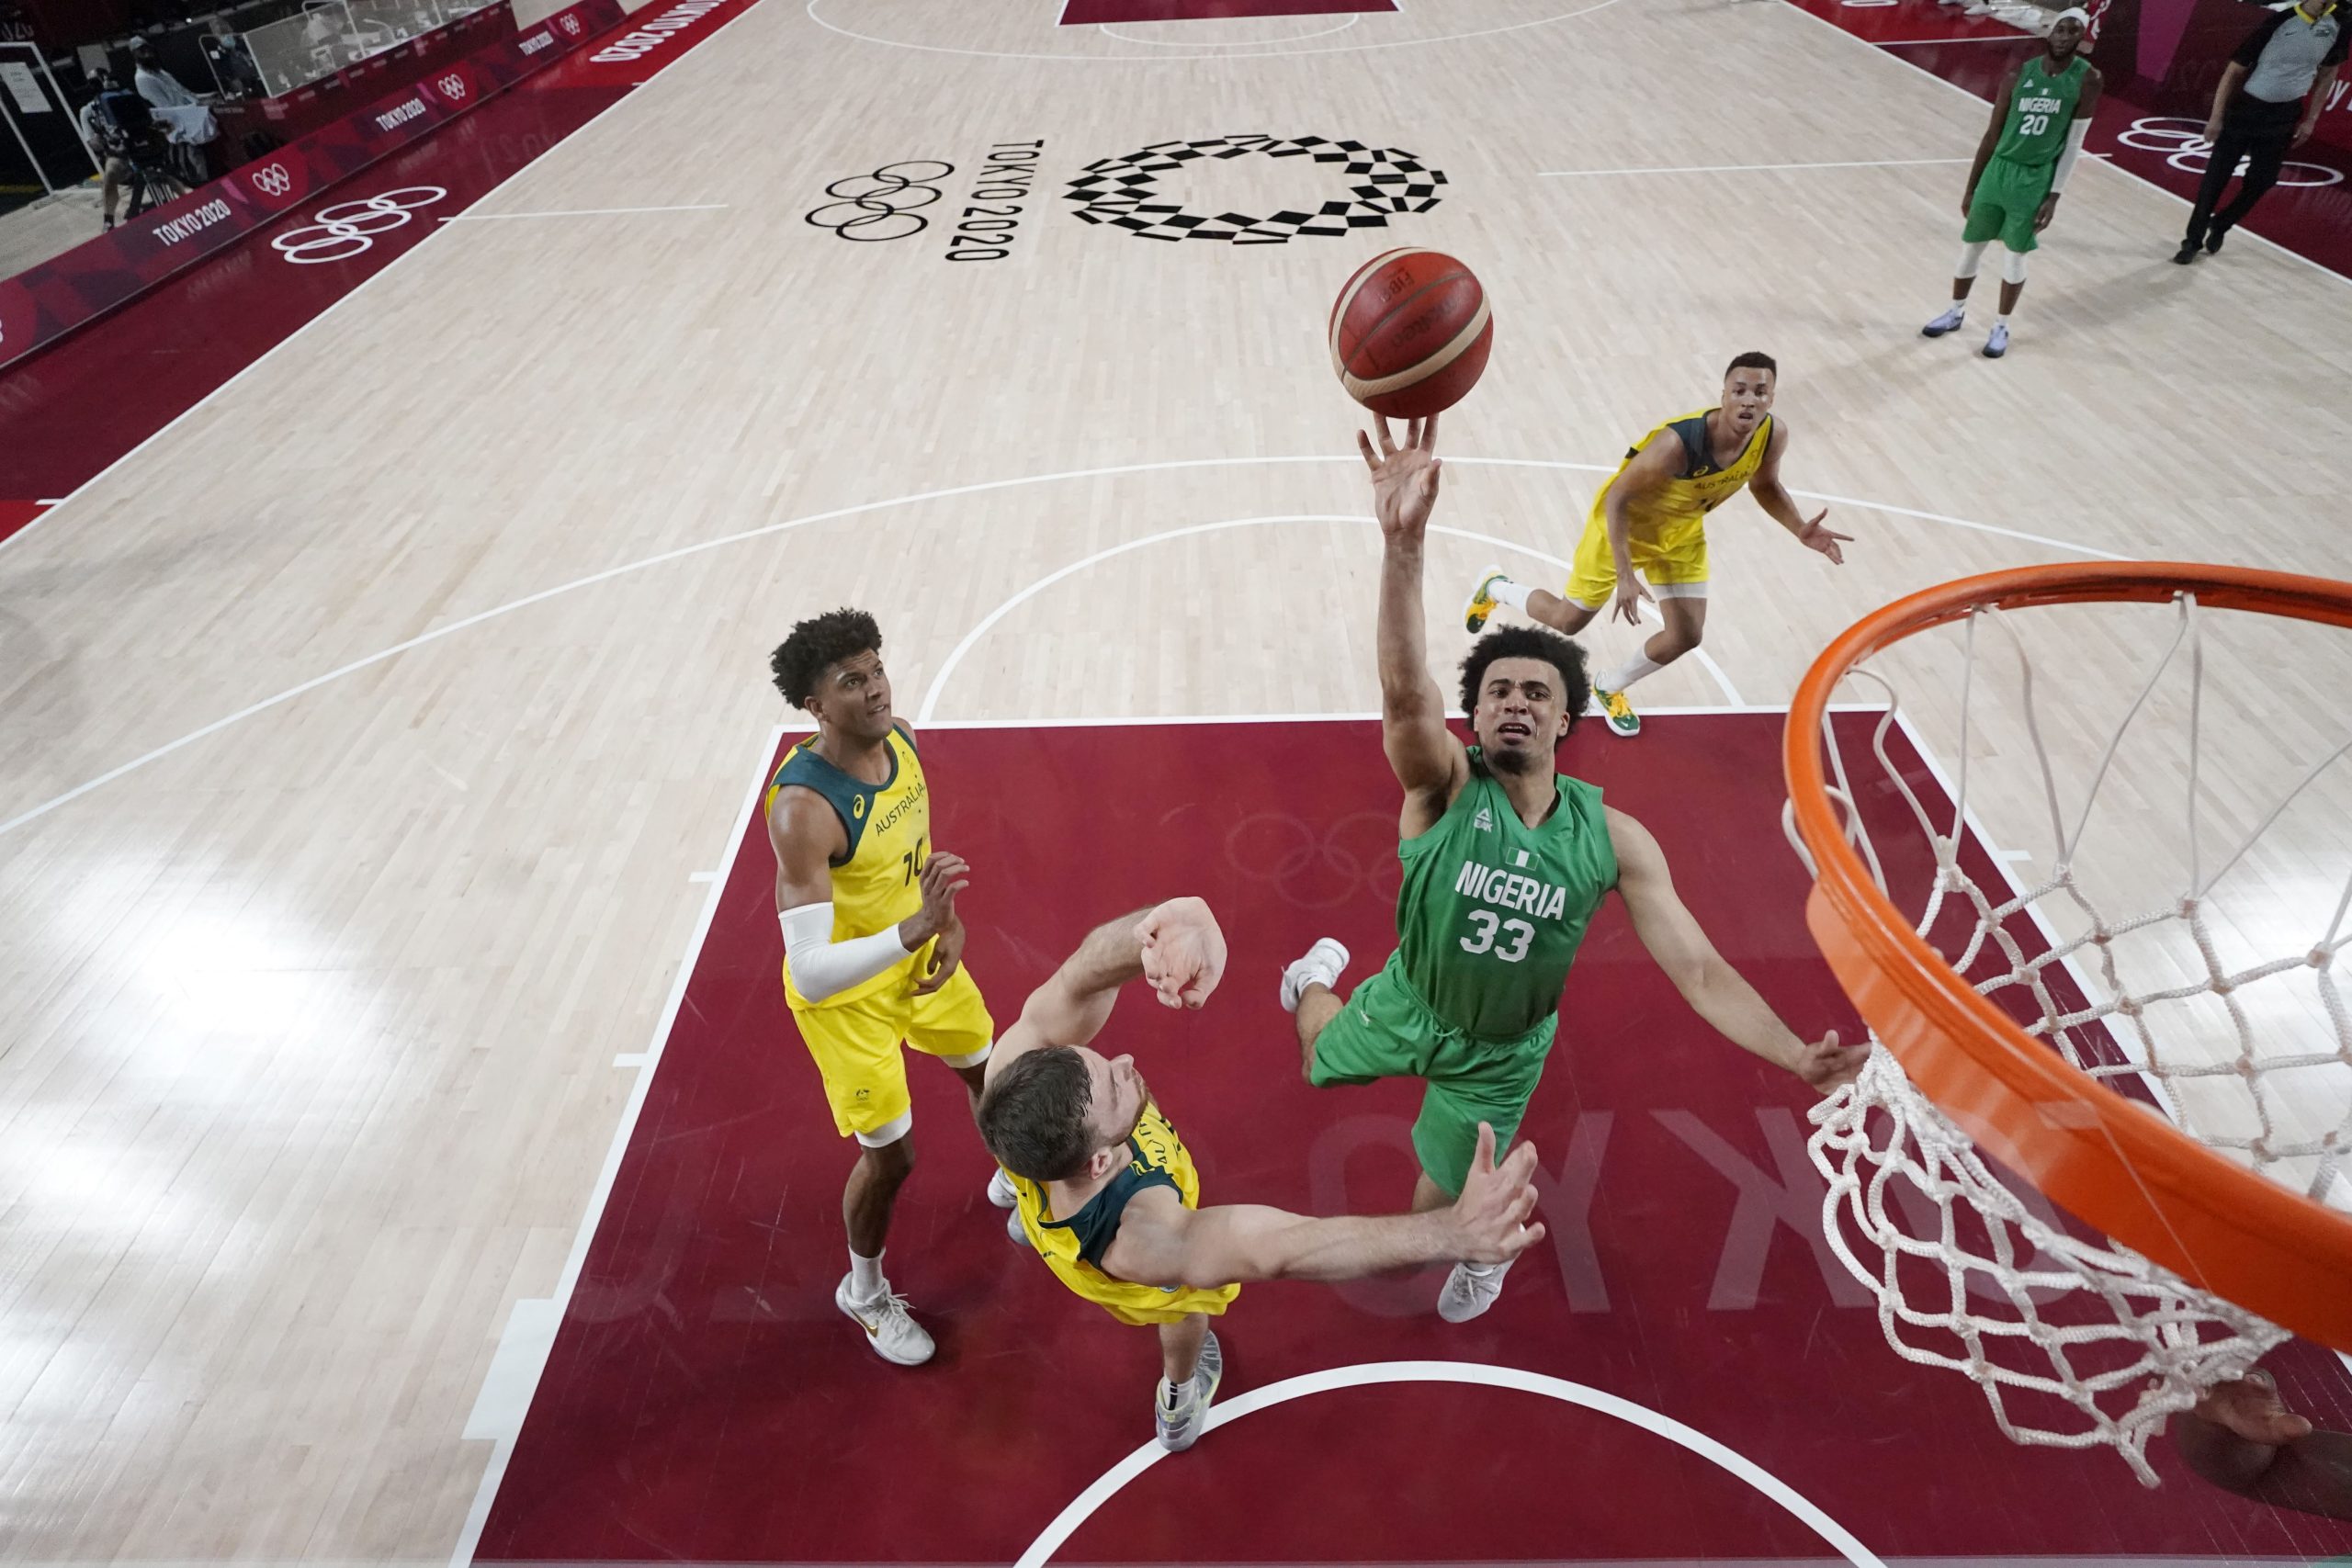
{"x": 1700, "y": 487}
{"x": 889, "y": 826}
{"x": 1073, "y": 1247}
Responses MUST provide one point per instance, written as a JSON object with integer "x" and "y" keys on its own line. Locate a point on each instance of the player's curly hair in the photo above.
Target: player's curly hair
{"x": 817, "y": 642}
{"x": 1752, "y": 360}
{"x": 1033, "y": 1117}
{"x": 1530, "y": 642}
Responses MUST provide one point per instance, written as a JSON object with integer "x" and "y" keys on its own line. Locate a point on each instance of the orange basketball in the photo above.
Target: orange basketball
{"x": 1409, "y": 333}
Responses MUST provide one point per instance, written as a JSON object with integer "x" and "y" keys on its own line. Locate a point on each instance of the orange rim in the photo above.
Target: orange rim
{"x": 2114, "y": 1163}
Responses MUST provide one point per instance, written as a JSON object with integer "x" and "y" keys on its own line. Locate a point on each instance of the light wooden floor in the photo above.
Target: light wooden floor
{"x": 307, "y": 1026}
{"x": 50, "y": 227}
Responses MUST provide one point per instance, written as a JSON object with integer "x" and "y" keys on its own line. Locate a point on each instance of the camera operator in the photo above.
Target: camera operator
{"x": 107, "y": 144}
{"x": 128, "y": 143}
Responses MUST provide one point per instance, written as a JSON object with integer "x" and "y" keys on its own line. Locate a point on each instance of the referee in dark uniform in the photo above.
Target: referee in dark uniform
{"x": 2269, "y": 101}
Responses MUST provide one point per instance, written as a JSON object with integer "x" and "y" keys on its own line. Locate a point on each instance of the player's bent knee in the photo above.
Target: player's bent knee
{"x": 2013, "y": 269}
{"x": 889, "y": 1146}
{"x": 979, "y": 1059}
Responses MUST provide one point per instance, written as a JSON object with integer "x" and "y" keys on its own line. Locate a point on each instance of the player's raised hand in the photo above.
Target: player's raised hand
{"x": 1490, "y": 1216}
{"x": 1814, "y": 536}
{"x": 1829, "y": 1066}
{"x": 1183, "y": 951}
{"x": 1632, "y": 594}
{"x": 1404, "y": 478}
{"x": 942, "y": 876}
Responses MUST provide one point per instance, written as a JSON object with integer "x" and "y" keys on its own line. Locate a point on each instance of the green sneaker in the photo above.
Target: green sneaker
{"x": 1617, "y": 711}
{"x": 1482, "y": 603}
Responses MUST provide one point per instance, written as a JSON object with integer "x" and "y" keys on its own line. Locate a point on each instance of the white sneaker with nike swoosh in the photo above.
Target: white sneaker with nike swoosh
{"x": 895, "y": 1337}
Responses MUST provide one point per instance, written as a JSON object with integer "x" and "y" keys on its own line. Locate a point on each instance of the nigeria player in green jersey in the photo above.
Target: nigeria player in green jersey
{"x": 2040, "y": 118}
{"x": 1505, "y": 861}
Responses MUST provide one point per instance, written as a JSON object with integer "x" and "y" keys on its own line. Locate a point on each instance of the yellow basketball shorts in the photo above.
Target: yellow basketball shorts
{"x": 1671, "y": 555}
{"x": 856, "y": 1046}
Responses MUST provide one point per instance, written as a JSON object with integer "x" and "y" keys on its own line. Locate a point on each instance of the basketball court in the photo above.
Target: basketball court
{"x": 406, "y": 1157}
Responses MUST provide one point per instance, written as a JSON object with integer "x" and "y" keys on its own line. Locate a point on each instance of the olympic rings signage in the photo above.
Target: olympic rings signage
{"x": 348, "y": 228}
{"x": 2182, "y": 141}
{"x": 883, "y": 205}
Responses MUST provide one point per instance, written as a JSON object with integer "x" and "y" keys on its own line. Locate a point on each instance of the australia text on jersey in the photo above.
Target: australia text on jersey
{"x": 915, "y": 797}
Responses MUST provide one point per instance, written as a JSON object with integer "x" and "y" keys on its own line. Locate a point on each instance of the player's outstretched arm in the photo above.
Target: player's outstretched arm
{"x": 1715, "y": 990}
{"x": 1177, "y": 946}
{"x": 2242, "y": 1438}
{"x": 1773, "y": 497}
{"x": 1422, "y": 752}
{"x": 1161, "y": 1242}
{"x": 1646, "y": 475}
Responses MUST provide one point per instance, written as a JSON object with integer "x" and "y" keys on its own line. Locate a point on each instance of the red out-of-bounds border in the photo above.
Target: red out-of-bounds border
{"x": 42, "y": 304}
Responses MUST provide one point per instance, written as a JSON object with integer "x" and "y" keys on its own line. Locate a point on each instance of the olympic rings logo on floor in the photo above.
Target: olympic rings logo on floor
{"x": 347, "y": 227}
{"x": 2183, "y": 140}
{"x": 881, "y": 205}
{"x": 1309, "y": 865}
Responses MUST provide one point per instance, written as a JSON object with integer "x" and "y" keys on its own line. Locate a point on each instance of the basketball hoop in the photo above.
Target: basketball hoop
{"x": 2220, "y": 1238}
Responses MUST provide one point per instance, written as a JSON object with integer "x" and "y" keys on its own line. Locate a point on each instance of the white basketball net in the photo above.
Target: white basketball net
{"x": 2073, "y": 1344}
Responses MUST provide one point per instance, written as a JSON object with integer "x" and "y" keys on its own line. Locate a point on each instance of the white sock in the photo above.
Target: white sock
{"x": 1625, "y": 674}
{"x": 1958, "y": 307}
{"x": 1506, "y": 592}
{"x": 865, "y": 1280}
{"x": 2000, "y": 321}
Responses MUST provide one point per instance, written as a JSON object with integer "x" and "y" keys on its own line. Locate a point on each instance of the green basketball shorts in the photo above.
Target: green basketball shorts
{"x": 1386, "y": 1031}
{"x": 2007, "y": 196}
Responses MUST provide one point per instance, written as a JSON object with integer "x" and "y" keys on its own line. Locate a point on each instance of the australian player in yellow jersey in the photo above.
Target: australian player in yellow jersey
{"x": 873, "y": 948}
{"x": 1108, "y": 1195}
{"x": 1645, "y": 540}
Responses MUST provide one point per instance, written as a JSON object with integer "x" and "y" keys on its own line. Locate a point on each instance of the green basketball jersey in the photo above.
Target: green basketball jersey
{"x": 1492, "y": 910}
{"x": 2041, "y": 111}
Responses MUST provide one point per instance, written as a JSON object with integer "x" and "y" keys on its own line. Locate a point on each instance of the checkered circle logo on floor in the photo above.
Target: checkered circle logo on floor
{"x": 1383, "y": 182}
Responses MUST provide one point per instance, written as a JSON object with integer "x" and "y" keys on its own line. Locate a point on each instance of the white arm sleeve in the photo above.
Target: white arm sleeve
{"x": 2072, "y": 149}
{"x": 820, "y": 965}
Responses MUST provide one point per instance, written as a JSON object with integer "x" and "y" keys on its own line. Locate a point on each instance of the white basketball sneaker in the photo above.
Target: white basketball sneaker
{"x": 1013, "y": 1231}
{"x": 1996, "y": 344}
{"x": 1470, "y": 1290}
{"x": 1001, "y": 1190}
{"x": 896, "y": 1337}
{"x": 1950, "y": 321}
{"x": 1179, "y": 1414}
{"x": 1321, "y": 963}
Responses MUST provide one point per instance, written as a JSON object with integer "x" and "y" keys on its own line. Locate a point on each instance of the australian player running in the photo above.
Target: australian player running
{"x": 1108, "y": 1195}
{"x": 1645, "y": 540}
{"x": 1505, "y": 861}
{"x": 2040, "y": 118}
